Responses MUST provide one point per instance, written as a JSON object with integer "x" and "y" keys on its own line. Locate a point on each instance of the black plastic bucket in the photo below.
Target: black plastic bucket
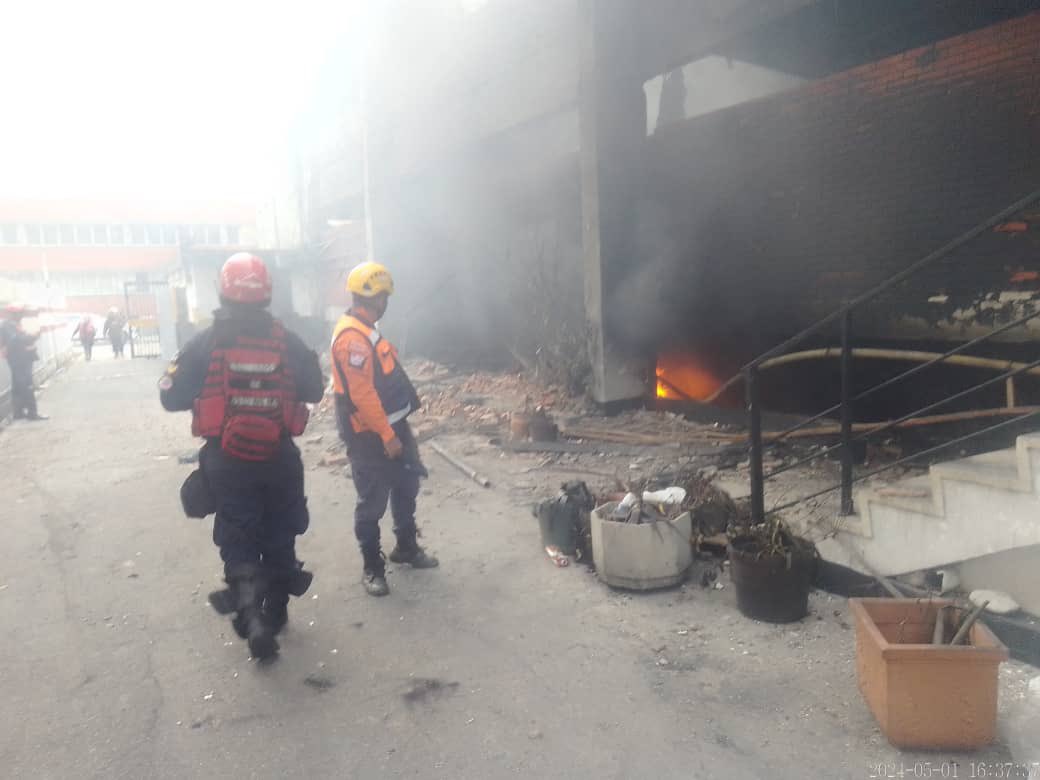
{"x": 774, "y": 589}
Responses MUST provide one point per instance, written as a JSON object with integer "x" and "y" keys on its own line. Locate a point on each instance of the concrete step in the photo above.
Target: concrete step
{"x": 980, "y": 505}
{"x": 1000, "y": 469}
{"x": 914, "y": 495}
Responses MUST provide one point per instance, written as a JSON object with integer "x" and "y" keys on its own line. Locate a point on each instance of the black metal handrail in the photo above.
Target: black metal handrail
{"x": 905, "y": 375}
{"x": 751, "y": 374}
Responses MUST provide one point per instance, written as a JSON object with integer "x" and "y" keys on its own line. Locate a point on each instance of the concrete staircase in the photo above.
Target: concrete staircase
{"x": 979, "y": 508}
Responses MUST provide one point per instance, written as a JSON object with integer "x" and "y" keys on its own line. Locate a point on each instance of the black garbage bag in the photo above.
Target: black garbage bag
{"x": 565, "y": 520}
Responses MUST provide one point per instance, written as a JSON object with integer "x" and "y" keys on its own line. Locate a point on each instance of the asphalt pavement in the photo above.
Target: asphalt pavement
{"x": 112, "y": 664}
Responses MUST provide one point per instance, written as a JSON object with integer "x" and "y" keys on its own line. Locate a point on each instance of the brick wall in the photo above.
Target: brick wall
{"x": 761, "y": 217}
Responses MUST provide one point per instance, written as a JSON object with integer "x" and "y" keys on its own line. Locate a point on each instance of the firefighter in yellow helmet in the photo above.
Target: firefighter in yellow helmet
{"x": 373, "y": 400}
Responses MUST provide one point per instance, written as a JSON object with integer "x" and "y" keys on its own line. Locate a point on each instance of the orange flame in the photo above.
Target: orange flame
{"x": 681, "y": 377}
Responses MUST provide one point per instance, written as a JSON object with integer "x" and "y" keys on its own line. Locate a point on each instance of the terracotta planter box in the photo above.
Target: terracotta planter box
{"x": 924, "y": 695}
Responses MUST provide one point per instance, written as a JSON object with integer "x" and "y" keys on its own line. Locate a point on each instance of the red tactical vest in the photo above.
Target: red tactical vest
{"x": 249, "y": 397}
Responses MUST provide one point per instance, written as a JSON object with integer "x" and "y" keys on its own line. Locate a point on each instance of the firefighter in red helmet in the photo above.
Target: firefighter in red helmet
{"x": 247, "y": 380}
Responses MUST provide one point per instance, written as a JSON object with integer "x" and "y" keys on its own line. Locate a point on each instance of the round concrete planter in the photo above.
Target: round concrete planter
{"x": 644, "y": 556}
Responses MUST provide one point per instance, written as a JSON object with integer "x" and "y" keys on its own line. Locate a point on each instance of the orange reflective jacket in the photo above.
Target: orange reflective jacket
{"x": 372, "y": 390}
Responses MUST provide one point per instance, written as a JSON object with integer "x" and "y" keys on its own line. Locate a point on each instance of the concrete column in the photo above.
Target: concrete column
{"x": 612, "y": 112}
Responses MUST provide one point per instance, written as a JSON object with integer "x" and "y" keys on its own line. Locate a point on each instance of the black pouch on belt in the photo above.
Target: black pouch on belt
{"x": 196, "y": 497}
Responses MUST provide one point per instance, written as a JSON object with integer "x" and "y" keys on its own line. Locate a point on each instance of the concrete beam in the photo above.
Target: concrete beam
{"x": 516, "y": 62}
{"x": 671, "y": 33}
{"x": 612, "y": 117}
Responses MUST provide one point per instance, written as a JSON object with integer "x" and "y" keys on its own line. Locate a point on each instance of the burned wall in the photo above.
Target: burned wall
{"x": 760, "y": 218}
{"x": 486, "y": 246}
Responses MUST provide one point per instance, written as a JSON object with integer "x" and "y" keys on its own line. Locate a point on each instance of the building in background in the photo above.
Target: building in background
{"x": 85, "y": 253}
{"x": 86, "y": 256}
{"x": 609, "y": 183}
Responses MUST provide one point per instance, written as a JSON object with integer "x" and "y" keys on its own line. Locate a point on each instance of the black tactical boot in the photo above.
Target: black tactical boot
{"x": 408, "y": 551}
{"x": 282, "y": 583}
{"x": 276, "y": 608}
{"x": 246, "y": 585}
{"x": 374, "y": 578}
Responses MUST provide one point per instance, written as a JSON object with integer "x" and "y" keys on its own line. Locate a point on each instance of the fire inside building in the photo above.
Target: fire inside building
{"x": 783, "y": 204}
{"x": 684, "y": 185}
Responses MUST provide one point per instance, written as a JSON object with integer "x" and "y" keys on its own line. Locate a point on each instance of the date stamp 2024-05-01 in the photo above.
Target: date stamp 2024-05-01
{"x": 961, "y": 770}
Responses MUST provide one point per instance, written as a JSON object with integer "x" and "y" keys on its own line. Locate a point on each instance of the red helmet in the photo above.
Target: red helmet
{"x": 244, "y": 279}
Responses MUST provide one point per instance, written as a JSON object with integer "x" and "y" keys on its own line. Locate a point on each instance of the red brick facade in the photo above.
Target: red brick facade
{"x": 773, "y": 211}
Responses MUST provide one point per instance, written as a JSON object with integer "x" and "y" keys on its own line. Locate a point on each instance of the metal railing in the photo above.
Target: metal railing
{"x": 751, "y": 374}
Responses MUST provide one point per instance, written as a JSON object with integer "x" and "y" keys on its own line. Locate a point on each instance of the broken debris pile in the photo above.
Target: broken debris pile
{"x": 649, "y": 506}
{"x": 707, "y": 511}
{"x": 480, "y": 398}
{"x": 713, "y": 511}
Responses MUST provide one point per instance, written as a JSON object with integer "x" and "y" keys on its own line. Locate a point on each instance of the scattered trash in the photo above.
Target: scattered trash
{"x": 949, "y": 580}
{"x": 997, "y": 601}
{"x": 557, "y": 557}
{"x": 190, "y": 457}
{"x": 564, "y": 520}
{"x": 316, "y": 439}
{"x": 208, "y": 697}
{"x": 650, "y": 506}
{"x": 520, "y": 426}
{"x": 708, "y": 577}
{"x": 334, "y": 459}
{"x": 541, "y": 427}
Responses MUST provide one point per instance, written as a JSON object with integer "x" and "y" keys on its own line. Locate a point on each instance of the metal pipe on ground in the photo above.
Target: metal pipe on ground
{"x": 461, "y": 465}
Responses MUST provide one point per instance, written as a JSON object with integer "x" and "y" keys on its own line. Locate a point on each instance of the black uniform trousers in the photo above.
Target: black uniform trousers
{"x": 23, "y": 397}
{"x": 261, "y": 506}
{"x": 379, "y": 480}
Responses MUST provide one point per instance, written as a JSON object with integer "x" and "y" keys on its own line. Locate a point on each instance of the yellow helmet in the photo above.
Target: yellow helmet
{"x": 369, "y": 280}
